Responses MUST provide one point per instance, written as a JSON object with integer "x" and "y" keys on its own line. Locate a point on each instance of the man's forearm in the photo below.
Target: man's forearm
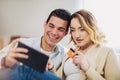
{"x": 3, "y": 53}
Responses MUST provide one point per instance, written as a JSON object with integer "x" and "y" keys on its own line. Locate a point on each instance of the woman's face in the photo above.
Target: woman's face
{"x": 79, "y": 34}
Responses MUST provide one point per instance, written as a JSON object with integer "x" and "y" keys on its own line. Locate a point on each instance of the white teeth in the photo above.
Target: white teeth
{"x": 53, "y": 38}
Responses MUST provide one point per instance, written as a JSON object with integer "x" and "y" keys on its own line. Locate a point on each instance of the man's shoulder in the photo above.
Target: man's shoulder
{"x": 62, "y": 48}
{"x": 30, "y": 41}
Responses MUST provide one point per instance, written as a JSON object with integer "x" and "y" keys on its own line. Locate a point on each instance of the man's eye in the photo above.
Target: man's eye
{"x": 62, "y": 30}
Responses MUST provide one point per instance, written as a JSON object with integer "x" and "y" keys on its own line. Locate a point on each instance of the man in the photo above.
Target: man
{"x": 55, "y": 28}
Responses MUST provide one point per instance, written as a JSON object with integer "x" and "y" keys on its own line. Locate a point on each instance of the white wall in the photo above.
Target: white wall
{"x": 16, "y": 15}
{"x": 26, "y": 17}
{"x": 107, "y": 13}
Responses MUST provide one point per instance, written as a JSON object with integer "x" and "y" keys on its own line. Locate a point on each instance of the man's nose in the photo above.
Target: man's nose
{"x": 54, "y": 31}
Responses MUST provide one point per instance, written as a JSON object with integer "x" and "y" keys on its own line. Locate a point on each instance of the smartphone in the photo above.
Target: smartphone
{"x": 37, "y": 60}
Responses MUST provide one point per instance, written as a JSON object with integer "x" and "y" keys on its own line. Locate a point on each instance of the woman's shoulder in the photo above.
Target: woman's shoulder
{"x": 106, "y": 49}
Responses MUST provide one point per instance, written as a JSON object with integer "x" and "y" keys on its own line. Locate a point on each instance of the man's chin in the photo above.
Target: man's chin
{"x": 52, "y": 44}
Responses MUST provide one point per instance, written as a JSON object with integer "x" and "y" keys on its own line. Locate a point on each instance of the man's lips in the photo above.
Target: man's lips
{"x": 53, "y": 39}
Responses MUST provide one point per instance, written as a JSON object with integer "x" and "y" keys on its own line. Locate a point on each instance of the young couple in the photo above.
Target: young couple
{"x": 91, "y": 61}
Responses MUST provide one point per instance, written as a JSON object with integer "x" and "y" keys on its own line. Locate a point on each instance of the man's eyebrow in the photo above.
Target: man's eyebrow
{"x": 59, "y": 27}
{"x": 51, "y": 24}
{"x": 62, "y": 28}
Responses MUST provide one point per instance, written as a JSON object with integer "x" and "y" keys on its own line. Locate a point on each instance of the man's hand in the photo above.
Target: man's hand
{"x": 49, "y": 65}
{"x": 13, "y": 53}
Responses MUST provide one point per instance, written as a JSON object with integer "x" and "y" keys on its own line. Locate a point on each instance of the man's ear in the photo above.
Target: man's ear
{"x": 66, "y": 33}
{"x": 45, "y": 23}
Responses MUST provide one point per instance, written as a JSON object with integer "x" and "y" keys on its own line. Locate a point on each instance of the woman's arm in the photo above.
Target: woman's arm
{"x": 112, "y": 67}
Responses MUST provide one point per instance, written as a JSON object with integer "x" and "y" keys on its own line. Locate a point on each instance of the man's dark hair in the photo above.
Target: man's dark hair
{"x": 62, "y": 14}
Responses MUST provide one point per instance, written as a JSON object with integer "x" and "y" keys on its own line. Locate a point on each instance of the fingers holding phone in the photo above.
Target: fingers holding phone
{"x": 49, "y": 65}
{"x": 13, "y": 53}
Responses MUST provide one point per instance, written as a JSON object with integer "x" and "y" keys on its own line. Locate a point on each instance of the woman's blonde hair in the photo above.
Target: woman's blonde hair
{"x": 88, "y": 22}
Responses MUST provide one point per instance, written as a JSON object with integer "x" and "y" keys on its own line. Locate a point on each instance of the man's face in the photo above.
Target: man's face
{"x": 55, "y": 30}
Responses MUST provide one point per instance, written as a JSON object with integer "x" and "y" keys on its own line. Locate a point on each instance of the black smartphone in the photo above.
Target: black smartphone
{"x": 37, "y": 60}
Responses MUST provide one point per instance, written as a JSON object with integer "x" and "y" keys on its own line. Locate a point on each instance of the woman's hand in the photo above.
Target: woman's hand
{"x": 80, "y": 59}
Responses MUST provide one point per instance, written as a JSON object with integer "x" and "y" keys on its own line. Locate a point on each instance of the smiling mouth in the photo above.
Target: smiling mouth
{"x": 53, "y": 39}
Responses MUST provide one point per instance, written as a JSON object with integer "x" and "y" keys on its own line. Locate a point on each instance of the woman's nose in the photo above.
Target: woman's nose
{"x": 77, "y": 34}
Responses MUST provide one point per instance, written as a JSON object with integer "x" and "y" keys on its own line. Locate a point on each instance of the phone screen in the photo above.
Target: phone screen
{"x": 37, "y": 60}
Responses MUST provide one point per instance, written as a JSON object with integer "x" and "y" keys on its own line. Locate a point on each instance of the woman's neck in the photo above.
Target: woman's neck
{"x": 45, "y": 46}
{"x": 85, "y": 48}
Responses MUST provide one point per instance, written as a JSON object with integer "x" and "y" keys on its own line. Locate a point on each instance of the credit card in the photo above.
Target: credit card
{"x": 70, "y": 53}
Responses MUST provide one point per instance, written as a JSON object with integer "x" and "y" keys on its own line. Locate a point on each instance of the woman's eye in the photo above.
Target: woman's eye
{"x": 82, "y": 29}
{"x": 72, "y": 30}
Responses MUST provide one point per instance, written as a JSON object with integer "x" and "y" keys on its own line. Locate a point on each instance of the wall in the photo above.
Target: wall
{"x": 107, "y": 15}
{"x": 26, "y": 17}
{"x": 1, "y": 43}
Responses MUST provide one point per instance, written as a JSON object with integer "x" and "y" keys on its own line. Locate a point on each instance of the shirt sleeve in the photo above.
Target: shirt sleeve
{"x": 3, "y": 53}
{"x": 93, "y": 75}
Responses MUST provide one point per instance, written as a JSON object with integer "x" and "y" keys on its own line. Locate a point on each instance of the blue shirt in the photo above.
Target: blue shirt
{"x": 56, "y": 56}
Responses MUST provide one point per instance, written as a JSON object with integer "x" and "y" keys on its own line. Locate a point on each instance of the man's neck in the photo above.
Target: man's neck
{"x": 45, "y": 46}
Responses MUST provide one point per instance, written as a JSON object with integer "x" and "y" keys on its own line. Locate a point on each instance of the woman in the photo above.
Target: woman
{"x": 92, "y": 60}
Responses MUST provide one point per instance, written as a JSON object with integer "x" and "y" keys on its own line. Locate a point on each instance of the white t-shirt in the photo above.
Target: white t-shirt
{"x": 72, "y": 72}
